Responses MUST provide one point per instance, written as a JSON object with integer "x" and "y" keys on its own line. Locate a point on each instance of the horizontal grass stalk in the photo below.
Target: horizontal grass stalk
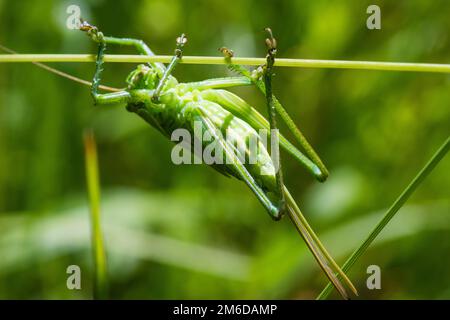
{"x": 390, "y": 213}
{"x": 280, "y": 62}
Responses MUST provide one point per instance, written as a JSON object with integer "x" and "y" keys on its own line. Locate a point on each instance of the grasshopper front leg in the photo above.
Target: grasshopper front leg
{"x": 246, "y": 112}
{"x": 274, "y": 137}
{"x": 320, "y": 172}
{"x": 238, "y": 166}
{"x": 319, "y": 252}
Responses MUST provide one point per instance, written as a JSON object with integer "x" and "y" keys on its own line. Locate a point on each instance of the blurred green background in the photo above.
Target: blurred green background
{"x": 186, "y": 231}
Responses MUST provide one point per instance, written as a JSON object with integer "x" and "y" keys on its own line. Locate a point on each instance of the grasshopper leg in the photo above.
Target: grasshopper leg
{"x": 218, "y": 83}
{"x": 140, "y": 45}
{"x": 181, "y": 41}
{"x": 325, "y": 260}
{"x": 274, "y": 137}
{"x": 273, "y": 210}
{"x": 106, "y": 98}
{"x": 109, "y": 98}
{"x": 321, "y": 173}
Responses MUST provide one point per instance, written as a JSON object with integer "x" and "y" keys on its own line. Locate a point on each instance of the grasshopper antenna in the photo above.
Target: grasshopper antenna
{"x": 61, "y": 73}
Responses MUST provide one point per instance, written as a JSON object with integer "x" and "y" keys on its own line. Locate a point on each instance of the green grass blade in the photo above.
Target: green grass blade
{"x": 93, "y": 186}
{"x": 390, "y": 213}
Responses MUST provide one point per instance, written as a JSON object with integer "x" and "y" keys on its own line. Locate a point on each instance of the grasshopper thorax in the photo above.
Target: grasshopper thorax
{"x": 143, "y": 77}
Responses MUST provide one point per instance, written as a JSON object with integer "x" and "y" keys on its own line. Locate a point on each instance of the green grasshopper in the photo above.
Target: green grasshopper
{"x": 158, "y": 98}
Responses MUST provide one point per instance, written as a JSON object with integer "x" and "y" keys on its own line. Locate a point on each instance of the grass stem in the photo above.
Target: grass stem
{"x": 98, "y": 249}
{"x": 390, "y": 213}
{"x": 280, "y": 62}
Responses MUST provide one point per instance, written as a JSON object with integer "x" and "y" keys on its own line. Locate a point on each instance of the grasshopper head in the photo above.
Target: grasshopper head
{"x": 143, "y": 77}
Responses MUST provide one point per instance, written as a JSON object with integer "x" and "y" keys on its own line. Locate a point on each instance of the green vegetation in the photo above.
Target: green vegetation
{"x": 187, "y": 232}
{"x": 93, "y": 189}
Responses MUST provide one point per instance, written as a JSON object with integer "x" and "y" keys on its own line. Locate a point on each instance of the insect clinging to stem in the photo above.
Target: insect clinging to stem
{"x": 159, "y": 99}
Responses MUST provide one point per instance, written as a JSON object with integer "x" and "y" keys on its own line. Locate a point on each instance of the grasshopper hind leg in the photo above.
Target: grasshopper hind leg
{"x": 275, "y": 210}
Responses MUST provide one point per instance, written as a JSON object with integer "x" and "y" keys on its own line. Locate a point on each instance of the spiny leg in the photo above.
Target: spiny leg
{"x": 181, "y": 41}
{"x": 324, "y": 259}
{"x": 274, "y": 141}
{"x": 218, "y": 83}
{"x": 112, "y": 98}
{"x": 140, "y": 45}
{"x": 272, "y": 209}
{"x": 255, "y": 76}
{"x": 241, "y": 109}
{"x": 237, "y": 106}
{"x": 323, "y": 174}
{"x": 246, "y": 112}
